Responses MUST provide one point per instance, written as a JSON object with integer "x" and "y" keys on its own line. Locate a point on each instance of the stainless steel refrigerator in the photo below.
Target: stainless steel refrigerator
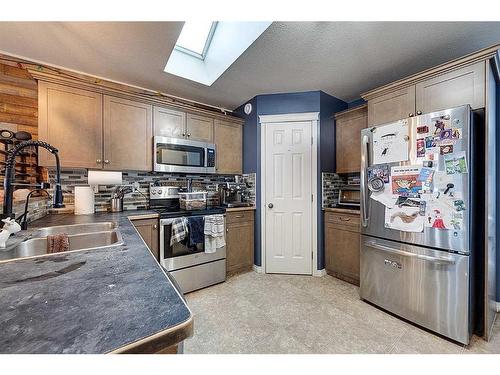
{"x": 422, "y": 244}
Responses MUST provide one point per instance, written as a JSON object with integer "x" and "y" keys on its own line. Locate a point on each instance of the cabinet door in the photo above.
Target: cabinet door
{"x": 393, "y": 106}
{"x": 71, "y": 120}
{"x": 229, "y": 143}
{"x": 348, "y": 142}
{"x": 239, "y": 247}
{"x": 342, "y": 252}
{"x": 148, "y": 229}
{"x": 200, "y": 128}
{"x": 127, "y": 135}
{"x": 169, "y": 123}
{"x": 458, "y": 87}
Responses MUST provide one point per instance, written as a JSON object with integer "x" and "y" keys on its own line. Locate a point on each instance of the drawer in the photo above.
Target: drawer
{"x": 239, "y": 216}
{"x": 342, "y": 219}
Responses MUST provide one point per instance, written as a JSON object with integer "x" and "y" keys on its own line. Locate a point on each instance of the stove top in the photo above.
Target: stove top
{"x": 168, "y": 213}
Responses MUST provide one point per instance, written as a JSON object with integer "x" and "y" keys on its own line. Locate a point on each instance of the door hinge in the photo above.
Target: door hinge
{"x": 312, "y": 197}
{"x": 312, "y": 140}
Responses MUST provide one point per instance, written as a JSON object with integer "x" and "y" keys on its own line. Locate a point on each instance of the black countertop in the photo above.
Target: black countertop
{"x": 93, "y": 301}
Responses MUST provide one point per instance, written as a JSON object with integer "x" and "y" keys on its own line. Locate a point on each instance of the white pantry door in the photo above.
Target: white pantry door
{"x": 288, "y": 197}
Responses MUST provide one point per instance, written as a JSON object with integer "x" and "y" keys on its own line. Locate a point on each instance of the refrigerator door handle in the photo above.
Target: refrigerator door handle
{"x": 408, "y": 254}
{"x": 365, "y": 141}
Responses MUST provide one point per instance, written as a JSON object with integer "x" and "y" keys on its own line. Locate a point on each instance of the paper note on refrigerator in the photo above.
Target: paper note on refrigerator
{"x": 406, "y": 219}
{"x": 390, "y": 143}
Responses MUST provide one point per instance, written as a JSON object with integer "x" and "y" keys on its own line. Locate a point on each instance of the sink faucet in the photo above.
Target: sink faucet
{"x": 9, "y": 177}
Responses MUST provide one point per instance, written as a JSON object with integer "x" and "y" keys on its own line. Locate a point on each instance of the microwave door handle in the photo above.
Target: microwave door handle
{"x": 408, "y": 254}
{"x": 365, "y": 141}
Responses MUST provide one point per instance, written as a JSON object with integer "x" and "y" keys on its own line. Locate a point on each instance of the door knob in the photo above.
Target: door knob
{"x": 270, "y": 205}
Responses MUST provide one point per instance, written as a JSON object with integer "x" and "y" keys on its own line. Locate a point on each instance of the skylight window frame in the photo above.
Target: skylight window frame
{"x": 205, "y": 48}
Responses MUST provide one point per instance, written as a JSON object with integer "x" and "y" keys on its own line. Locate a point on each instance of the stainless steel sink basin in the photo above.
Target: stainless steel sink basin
{"x": 85, "y": 241}
{"x": 76, "y": 229}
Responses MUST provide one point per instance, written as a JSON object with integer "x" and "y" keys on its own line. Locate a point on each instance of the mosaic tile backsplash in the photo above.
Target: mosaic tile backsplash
{"x": 134, "y": 201}
{"x": 332, "y": 182}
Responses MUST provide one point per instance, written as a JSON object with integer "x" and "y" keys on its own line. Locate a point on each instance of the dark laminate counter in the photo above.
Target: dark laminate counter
{"x": 115, "y": 299}
{"x": 341, "y": 210}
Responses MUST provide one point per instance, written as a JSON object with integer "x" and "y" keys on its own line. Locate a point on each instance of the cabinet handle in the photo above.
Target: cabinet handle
{"x": 419, "y": 113}
{"x": 343, "y": 219}
{"x": 227, "y": 229}
{"x": 98, "y": 161}
{"x": 183, "y": 134}
{"x": 155, "y": 226}
{"x": 106, "y": 161}
{"x": 410, "y": 114}
{"x": 238, "y": 216}
{"x": 189, "y": 135}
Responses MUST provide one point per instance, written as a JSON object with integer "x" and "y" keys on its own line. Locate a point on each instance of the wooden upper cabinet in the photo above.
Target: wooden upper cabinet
{"x": 392, "y": 106}
{"x": 348, "y": 126}
{"x": 169, "y": 123}
{"x": 229, "y": 144}
{"x": 452, "y": 89}
{"x": 127, "y": 134}
{"x": 71, "y": 120}
{"x": 200, "y": 128}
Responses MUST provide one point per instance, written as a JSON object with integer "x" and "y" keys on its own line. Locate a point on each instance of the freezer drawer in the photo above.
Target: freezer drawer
{"x": 427, "y": 287}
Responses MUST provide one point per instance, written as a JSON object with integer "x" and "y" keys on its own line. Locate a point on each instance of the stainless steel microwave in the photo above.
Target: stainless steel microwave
{"x": 183, "y": 156}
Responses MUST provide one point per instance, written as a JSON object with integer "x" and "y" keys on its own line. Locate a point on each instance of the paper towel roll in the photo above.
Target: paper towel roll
{"x": 84, "y": 200}
{"x": 105, "y": 178}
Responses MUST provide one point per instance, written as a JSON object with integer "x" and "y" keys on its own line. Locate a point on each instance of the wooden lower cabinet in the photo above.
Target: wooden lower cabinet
{"x": 342, "y": 240}
{"x": 239, "y": 241}
{"x": 149, "y": 231}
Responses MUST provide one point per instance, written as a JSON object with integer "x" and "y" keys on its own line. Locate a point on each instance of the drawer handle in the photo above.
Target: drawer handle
{"x": 344, "y": 219}
{"x": 239, "y": 216}
{"x": 408, "y": 254}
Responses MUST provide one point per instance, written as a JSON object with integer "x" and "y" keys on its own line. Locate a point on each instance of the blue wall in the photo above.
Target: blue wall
{"x": 272, "y": 104}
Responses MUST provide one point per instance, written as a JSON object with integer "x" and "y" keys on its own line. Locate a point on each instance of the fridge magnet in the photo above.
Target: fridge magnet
{"x": 390, "y": 143}
{"x": 437, "y": 220}
{"x": 406, "y": 219}
{"x": 420, "y": 148}
{"x": 428, "y": 163}
{"x": 405, "y": 180}
{"x": 456, "y": 163}
{"x": 445, "y": 134}
{"x": 425, "y": 175}
{"x": 381, "y": 171}
{"x": 376, "y": 184}
{"x": 456, "y": 133}
{"x": 441, "y": 123}
{"x": 456, "y": 224}
{"x": 407, "y": 202}
{"x": 445, "y": 149}
{"x": 430, "y": 142}
{"x": 459, "y": 205}
{"x": 421, "y": 208}
{"x": 424, "y": 129}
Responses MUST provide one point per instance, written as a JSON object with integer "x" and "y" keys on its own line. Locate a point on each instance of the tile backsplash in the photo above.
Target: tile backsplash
{"x": 133, "y": 201}
{"x": 332, "y": 182}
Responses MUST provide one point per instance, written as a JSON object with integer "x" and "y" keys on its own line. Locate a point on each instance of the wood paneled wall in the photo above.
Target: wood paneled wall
{"x": 18, "y": 99}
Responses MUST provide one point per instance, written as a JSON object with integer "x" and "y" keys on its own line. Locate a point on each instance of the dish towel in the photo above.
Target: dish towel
{"x": 195, "y": 231}
{"x": 215, "y": 233}
{"x": 179, "y": 230}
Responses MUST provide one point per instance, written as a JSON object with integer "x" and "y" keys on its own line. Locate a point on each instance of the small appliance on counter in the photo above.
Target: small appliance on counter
{"x": 349, "y": 197}
{"x": 234, "y": 194}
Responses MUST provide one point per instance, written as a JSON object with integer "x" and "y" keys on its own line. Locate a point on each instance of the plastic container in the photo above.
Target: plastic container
{"x": 193, "y": 201}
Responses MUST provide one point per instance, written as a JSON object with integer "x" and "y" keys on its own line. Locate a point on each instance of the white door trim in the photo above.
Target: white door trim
{"x": 313, "y": 117}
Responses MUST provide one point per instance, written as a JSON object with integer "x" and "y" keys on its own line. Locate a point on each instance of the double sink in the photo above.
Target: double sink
{"x": 81, "y": 237}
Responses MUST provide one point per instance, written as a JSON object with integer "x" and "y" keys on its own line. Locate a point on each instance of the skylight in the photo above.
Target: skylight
{"x": 204, "y": 50}
{"x": 195, "y": 37}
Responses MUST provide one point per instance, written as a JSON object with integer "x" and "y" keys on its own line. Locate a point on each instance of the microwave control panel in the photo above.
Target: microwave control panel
{"x": 210, "y": 157}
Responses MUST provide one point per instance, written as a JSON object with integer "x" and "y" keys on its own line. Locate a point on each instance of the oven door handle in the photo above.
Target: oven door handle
{"x": 408, "y": 254}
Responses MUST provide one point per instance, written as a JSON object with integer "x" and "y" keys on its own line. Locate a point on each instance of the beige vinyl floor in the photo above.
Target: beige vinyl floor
{"x": 257, "y": 313}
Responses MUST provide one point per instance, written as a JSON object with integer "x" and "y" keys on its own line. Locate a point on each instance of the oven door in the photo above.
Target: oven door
{"x": 179, "y": 155}
{"x": 179, "y": 255}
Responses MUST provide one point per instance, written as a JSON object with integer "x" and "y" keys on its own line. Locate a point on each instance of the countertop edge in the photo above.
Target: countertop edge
{"x": 341, "y": 210}
{"x": 236, "y": 209}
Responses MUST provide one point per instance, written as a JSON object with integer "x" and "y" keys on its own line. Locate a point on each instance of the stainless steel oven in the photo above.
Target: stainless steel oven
{"x": 183, "y": 156}
{"x": 191, "y": 267}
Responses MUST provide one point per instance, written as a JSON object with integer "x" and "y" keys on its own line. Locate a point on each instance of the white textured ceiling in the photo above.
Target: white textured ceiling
{"x": 340, "y": 58}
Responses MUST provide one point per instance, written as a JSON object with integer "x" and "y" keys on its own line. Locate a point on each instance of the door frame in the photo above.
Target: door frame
{"x": 313, "y": 118}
